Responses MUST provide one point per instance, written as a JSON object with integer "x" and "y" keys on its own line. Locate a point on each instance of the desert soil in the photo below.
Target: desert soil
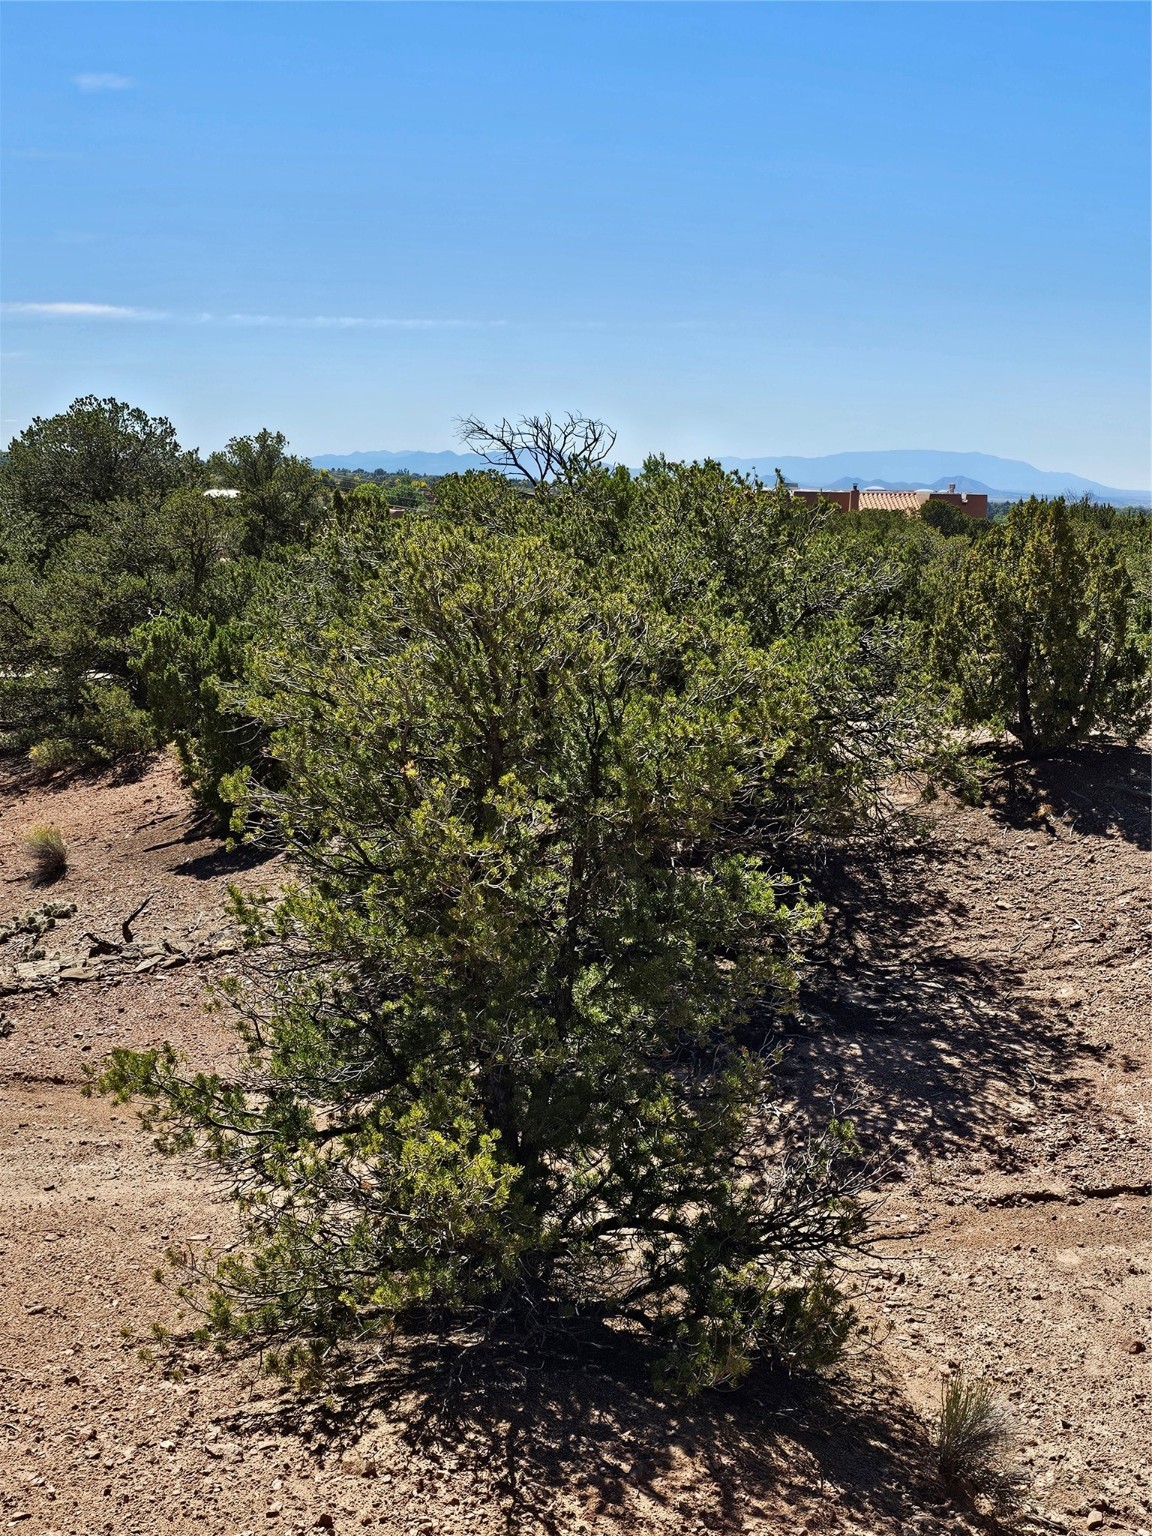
{"x": 979, "y": 1009}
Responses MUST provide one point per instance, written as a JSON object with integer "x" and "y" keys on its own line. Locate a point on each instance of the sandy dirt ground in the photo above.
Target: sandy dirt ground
{"x": 979, "y": 1008}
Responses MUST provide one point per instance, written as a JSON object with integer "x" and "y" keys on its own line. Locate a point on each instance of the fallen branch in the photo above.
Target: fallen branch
{"x": 126, "y": 925}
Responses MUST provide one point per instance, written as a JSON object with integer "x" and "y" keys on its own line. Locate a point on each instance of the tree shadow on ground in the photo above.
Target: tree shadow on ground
{"x": 1103, "y": 790}
{"x": 209, "y": 855}
{"x": 221, "y": 860}
{"x": 574, "y": 1431}
{"x": 928, "y": 1047}
{"x": 19, "y": 775}
{"x": 593, "y": 1426}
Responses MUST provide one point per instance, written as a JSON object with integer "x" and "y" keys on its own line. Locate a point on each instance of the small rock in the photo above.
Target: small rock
{"x": 1094, "y": 1521}
{"x": 356, "y": 1465}
{"x": 1135, "y": 1346}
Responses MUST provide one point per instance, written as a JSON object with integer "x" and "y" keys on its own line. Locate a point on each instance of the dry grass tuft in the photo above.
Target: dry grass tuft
{"x": 49, "y": 853}
{"x": 972, "y": 1438}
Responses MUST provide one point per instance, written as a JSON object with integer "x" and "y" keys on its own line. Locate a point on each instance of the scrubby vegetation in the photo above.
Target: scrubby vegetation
{"x": 551, "y": 751}
{"x": 1038, "y": 626}
{"x": 105, "y": 527}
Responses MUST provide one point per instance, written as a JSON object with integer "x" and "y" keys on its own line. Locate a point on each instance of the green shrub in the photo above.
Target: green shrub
{"x": 98, "y": 725}
{"x": 61, "y": 469}
{"x": 101, "y": 726}
{"x": 950, "y": 520}
{"x": 56, "y": 754}
{"x": 66, "y": 626}
{"x": 115, "y": 727}
{"x": 1035, "y": 629}
{"x": 104, "y": 524}
{"x": 188, "y": 665}
{"x": 500, "y": 1071}
{"x": 281, "y": 498}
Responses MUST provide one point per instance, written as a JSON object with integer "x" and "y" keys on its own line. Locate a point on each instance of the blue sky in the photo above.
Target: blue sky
{"x": 728, "y": 229}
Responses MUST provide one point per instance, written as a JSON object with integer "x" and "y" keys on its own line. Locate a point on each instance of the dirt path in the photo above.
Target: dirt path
{"x": 989, "y": 1029}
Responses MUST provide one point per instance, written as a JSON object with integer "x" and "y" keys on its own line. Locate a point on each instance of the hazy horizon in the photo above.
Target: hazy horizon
{"x": 459, "y": 449}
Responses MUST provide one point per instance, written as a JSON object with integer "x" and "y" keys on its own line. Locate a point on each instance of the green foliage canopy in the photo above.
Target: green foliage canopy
{"x": 67, "y": 625}
{"x": 94, "y": 453}
{"x": 950, "y": 520}
{"x": 1034, "y": 627}
{"x": 106, "y": 528}
{"x": 191, "y": 664}
{"x": 281, "y": 496}
{"x": 502, "y": 1066}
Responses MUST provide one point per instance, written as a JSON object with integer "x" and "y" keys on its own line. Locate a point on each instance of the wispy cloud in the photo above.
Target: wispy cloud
{"x": 71, "y": 310}
{"x": 42, "y": 154}
{"x": 349, "y": 322}
{"x": 102, "y": 82}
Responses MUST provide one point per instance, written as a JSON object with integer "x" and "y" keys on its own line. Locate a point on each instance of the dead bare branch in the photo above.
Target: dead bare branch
{"x": 539, "y": 450}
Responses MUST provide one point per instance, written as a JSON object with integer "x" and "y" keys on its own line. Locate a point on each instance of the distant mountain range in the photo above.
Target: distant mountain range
{"x": 898, "y": 469}
{"x": 414, "y": 461}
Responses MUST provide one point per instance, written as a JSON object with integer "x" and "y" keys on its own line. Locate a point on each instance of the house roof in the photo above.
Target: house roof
{"x": 893, "y": 501}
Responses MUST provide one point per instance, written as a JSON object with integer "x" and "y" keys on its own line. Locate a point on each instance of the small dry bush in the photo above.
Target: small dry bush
{"x": 49, "y": 853}
{"x": 55, "y": 754}
{"x": 972, "y": 1437}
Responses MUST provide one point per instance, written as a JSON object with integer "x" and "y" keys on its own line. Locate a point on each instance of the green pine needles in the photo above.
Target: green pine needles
{"x": 1037, "y": 627}
{"x": 494, "y": 1055}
